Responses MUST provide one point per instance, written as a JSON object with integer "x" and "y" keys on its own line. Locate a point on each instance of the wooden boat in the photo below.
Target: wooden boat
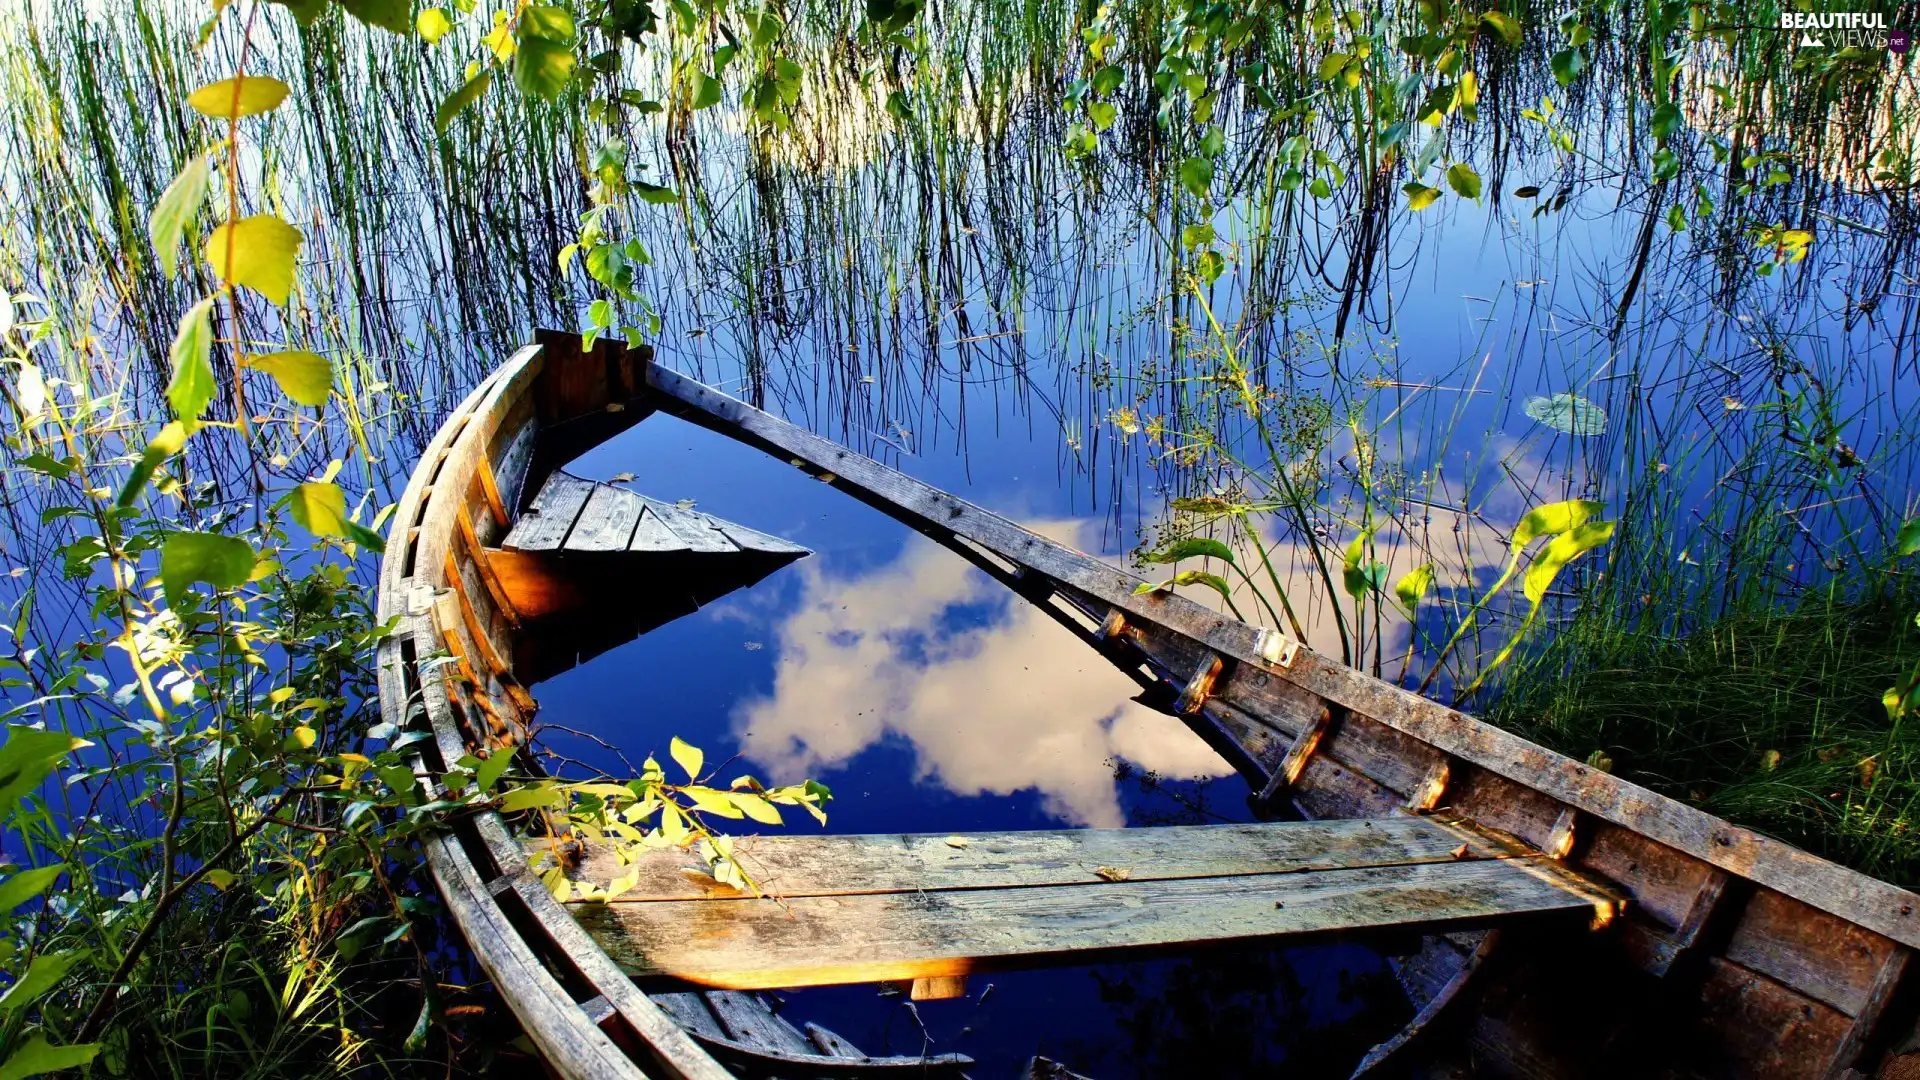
{"x": 1732, "y": 954}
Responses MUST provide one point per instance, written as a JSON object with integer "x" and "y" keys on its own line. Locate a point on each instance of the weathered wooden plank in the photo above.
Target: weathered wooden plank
{"x": 690, "y": 1011}
{"x": 755, "y": 540}
{"x": 821, "y": 940}
{"x": 1824, "y": 957}
{"x": 1763, "y": 1028}
{"x": 533, "y": 586}
{"x": 749, "y": 1021}
{"x": 697, "y": 530}
{"x": 792, "y": 866}
{"x": 545, "y": 525}
{"x": 650, "y": 533}
{"x": 606, "y": 522}
{"x": 1877, "y": 905}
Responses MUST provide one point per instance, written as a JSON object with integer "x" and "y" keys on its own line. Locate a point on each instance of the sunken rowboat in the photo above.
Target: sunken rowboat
{"x": 1545, "y": 918}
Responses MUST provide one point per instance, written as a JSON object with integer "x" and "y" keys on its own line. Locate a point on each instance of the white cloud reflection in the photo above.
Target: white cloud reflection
{"x": 994, "y": 696}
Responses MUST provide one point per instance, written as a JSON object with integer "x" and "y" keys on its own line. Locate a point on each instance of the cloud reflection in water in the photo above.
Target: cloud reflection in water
{"x": 993, "y": 695}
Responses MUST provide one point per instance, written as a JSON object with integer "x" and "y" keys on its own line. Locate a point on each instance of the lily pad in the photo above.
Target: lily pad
{"x": 1570, "y": 413}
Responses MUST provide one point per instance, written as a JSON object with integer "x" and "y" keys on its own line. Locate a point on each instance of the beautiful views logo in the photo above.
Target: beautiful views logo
{"x": 1845, "y": 30}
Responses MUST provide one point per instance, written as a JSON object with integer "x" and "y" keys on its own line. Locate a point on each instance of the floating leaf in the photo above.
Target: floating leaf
{"x": 1112, "y": 873}
{"x": 452, "y": 105}
{"x": 245, "y": 95}
{"x": 177, "y": 205}
{"x": 1188, "y": 548}
{"x": 958, "y": 842}
{"x": 305, "y": 377}
{"x": 257, "y": 252}
{"x": 192, "y": 388}
{"x": 187, "y": 558}
{"x": 1570, "y": 413}
{"x": 688, "y": 755}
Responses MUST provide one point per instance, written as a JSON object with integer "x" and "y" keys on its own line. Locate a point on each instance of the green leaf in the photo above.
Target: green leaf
{"x": 710, "y": 801}
{"x": 247, "y": 95}
{"x": 528, "y": 798}
{"x": 219, "y": 879}
{"x": 654, "y": 193}
{"x": 688, "y": 755}
{"x": 1413, "y": 586}
{"x": 29, "y": 755}
{"x": 170, "y": 440}
{"x": 1908, "y": 540}
{"x": 547, "y": 21}
{"x": 1191, "y": 547}
{"x": 303, "y": 376}
{"x": 1666, "y": 120}
{"x": 492, "y": 769}
{"x": 1567, "y": 65}
{"x": 433, "y": 24}
{"x": 1101, "y": 114}
{"x": 177, "y": 205}
{"x": 304, "y": 11}
{"x": 542, "y": 67}
{"x": 26, "y": 885}
{"x": 1200, "y": 577}
{"x": 1196, "y": 175}
{"x": 707, "y": 90}
{"x": 321, "y": 509}
{"x": 42, "y": 975}
{"x": 224, "y": 562}
{"x": 192, "y": 386}
{"x": 452, "y": 105}
{"x": 257, "y": 252}
{"x": 1463, "y": 180}
{"x": 1360, "y": 577}
{"x": 756, "y": 807}
{"x": 394, "y": 15}
{"x": 1420, "y": 196}
{"x": 37, "y": 1057}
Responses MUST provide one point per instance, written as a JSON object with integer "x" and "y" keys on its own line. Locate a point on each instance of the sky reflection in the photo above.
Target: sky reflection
{"x": 993, "y": 696}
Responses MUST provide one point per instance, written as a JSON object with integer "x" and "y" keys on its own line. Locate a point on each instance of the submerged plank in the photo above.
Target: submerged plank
{"x": 698, "y": 531}
{"x": 790, "y": 866}
{"x": 607, "y": 521}
{"x": 545, "y": 525}
{"x": 744, "y": 943}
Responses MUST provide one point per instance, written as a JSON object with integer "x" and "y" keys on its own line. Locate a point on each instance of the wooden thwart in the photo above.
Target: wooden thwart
{"x": 875, "y": 908}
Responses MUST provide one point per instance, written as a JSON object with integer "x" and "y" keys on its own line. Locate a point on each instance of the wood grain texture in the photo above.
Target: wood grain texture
{"x": 545, "y": 525}
{"x": 1824, "y": 957}
{"x": 792, "y": 866}
{"x": 872, "y": 937}
{"x": 1764, "y": 1029}
{"x": 606, "y": 522}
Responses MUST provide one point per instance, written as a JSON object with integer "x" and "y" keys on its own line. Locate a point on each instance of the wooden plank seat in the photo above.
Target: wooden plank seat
{"x": 846, "y": 909}
{"x": 573, "y": 515}
{"x": 746, "y": 1030}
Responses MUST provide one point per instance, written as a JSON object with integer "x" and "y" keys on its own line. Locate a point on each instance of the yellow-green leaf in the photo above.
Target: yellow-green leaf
{"x": 257, "y": 252}
{"x": 1552, "y": 520}
{"x": 246, "y": 95}
{"x": 303, "y": 737}
{"x": 42, "y": 975}
{"x": 219, "y": 879}
{"x": 1565, "y": 548}
{"x": 1413, "y": 586}
{"x": 433, "y": 24}
{"x": 192, "y": 386}
{"x": 176, "y": 207}
{"x": 320, "y": 508}
{"x": 689, "y": 756}
{"x": 303, "y": 376}
{"x": 1420, "y": 196}
{"x": 187, "y": 558}
{"x": 756, "y": 807}
{"x": 711, "y": 801}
